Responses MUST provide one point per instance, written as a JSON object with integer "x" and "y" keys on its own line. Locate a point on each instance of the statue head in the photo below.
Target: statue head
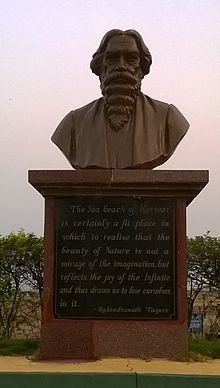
{"x": 121, "y": 61}
{"x": 144, "y": 54}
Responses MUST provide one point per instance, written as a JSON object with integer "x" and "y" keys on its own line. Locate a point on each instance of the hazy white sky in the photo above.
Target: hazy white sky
{"x": 46, "y": 47}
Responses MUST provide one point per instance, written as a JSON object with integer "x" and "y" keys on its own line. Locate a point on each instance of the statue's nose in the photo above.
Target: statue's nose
{"x": 121, "y": 65}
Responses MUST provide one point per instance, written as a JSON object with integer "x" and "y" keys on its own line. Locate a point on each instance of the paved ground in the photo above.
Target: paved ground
{"x": 22, "y": 364}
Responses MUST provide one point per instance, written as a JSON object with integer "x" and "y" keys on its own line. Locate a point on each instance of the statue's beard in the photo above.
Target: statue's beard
{"x": 120, "y": 90}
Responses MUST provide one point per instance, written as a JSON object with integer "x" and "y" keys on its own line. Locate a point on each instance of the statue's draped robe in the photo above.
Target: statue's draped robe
{"x": 148, "y": 139}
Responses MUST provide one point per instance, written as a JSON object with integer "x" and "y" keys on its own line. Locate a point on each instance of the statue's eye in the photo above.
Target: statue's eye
{"x": 132, "y": 58}
{"x": 111, "y": 58}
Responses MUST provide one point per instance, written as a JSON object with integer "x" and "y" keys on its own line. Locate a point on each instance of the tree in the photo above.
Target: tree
{"x": 34, "y": 262}
{"x": 203, "y": 262}
{"x": 21, "y": 258}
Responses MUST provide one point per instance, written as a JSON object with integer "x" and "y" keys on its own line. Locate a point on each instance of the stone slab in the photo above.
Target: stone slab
{"x": 172, "y": 183}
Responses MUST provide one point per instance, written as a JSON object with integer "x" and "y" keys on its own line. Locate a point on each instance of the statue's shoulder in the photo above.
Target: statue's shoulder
{"x": 155, "y": 104}
{"x": 163, "y": 109}
{"x": 91, "y": 107}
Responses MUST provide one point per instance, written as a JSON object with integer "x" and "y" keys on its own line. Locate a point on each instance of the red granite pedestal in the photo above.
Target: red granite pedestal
{"x": 98, "y": 338}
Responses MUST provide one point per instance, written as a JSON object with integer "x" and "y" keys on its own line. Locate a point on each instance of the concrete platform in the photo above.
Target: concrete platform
{"x": 23, "y": 364}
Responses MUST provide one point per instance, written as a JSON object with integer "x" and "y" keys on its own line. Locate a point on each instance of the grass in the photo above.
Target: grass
{"x": 199, "y": 349}
{"x": 18, "y": 347}
{"x": 204, "y": 347}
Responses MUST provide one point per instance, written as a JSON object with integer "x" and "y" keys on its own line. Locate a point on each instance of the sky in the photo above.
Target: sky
{"x": 46, "y": 48}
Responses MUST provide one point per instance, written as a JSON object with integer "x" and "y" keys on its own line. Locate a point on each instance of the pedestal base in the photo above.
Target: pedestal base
{"x": 81, "y": 337}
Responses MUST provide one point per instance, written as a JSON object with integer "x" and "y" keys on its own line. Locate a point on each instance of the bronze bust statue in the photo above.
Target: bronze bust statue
{"x": 124, "y": 128}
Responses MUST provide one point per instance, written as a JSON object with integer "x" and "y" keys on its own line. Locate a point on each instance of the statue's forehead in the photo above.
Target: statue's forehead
{"x": 122, "y": 43}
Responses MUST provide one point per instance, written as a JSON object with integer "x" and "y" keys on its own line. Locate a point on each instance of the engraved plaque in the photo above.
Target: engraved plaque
{"x": 115, "y": 258}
